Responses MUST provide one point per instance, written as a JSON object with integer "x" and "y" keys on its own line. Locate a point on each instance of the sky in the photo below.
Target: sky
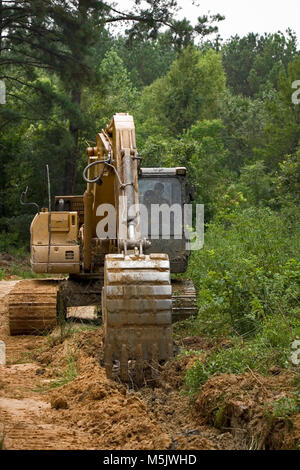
{"x": 244, "y": 16}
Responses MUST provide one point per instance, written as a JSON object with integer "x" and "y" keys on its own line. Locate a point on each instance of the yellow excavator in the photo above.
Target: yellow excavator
{"x": 101, "y": 240}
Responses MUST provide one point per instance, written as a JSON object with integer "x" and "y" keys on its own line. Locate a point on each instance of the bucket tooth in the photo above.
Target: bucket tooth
{"x": 124, "y": 364}
{"x": 154, "y": 361}
{"x": 108, "y": 363}
{"x": 139, "y": 374}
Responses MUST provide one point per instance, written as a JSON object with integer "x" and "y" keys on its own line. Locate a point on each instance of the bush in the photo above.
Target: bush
{"x": 247, "y": 280}
{"x": 246, "y": 273}
{"x": 15, "y": 234}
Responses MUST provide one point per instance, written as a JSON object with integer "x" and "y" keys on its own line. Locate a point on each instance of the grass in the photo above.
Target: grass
{"x": 68, "y": 375}
{"x": 270, "y": 347}
{"x": 64, "y": 377}
{"x": 65, "y": 330}
{"x": 286, "y": 406}
{"x": 22, "y": 270}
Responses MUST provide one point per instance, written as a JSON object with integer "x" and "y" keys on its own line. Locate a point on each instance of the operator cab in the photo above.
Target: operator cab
{"x": 162, "y": 195}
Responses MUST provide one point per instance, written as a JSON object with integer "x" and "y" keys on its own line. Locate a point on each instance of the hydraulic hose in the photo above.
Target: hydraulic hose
{"x": 98, "y": 162}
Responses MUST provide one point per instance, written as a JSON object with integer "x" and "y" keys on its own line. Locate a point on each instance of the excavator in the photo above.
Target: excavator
{"x": 103, "y": 242}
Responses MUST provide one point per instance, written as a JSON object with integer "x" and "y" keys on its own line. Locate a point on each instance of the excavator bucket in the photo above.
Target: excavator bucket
{"x": 137, "y": 314}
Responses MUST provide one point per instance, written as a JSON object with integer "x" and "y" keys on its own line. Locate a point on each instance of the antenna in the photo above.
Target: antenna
{"x": 49, "y": 192}
{"x": 49, "y": 208}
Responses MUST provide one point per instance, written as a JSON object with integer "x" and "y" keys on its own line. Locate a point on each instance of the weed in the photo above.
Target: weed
{"x": 66, "y": 376}
{"x": 186, "y": 353}
{"x": 270, "y": 347}
{"x": 69, "y": 374}
{"x": 247, "y": 280}
{"x": 220, "y": 417}
{"x": 286, "y": 406}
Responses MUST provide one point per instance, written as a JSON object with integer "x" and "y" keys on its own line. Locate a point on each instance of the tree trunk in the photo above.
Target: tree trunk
{"x": 73, "y": 154}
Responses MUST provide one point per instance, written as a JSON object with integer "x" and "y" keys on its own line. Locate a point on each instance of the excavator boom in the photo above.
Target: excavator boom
{"x": 137, "y": 296}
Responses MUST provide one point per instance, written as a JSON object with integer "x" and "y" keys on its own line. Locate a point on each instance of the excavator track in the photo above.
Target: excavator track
{"x": 184, "y": 300}
{"x": 32, "y": 306}
{"x": 137, "y": 314}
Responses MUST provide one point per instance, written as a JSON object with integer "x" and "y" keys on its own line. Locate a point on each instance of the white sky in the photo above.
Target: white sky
{"x": 244, "y": 16}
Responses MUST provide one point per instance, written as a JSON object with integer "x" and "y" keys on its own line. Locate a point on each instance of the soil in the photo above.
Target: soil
{"x": 244, "y": 404}
{"x": 54, "y": 394}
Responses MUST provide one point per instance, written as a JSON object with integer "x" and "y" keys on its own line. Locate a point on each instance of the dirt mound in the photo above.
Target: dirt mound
{"x": 173, "y": 373}
{"x": 244, "y": 404}
{"x": 106, "y": 410}
{"x": 115, "y": 417}
{"x": 171, "y": 409}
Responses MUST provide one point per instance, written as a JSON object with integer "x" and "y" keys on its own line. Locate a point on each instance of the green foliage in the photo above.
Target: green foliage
{"x": 244, "y": 123}
{"x": 256, "y": 183}
{"x": 246, "y": 272}
{"x": 253, "y": 63}
{"x": 282, "y": 130}
{"x": 202, "y": 152}
{"x": 187, "y": 93}
{"x": 271, "y": 346}
{"x": 116, "y": 93}
{"x": 146, "y": 60}
{"x": 286, "y": 406}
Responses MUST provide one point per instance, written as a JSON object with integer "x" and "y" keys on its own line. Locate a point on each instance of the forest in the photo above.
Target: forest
{"x": 227, "y": 110}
